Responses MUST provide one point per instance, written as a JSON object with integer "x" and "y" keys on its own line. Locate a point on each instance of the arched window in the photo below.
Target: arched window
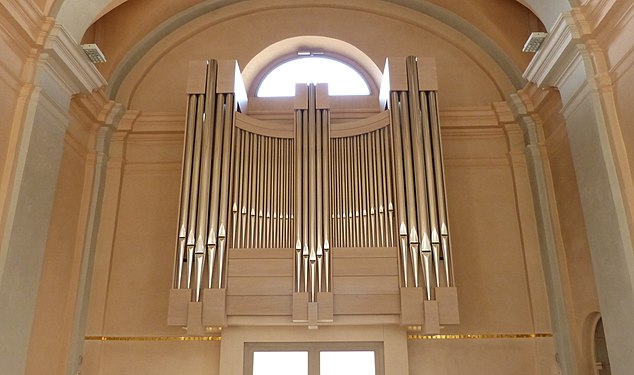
{"x": 342, "y": 79}
{"x": 601, "y": 359}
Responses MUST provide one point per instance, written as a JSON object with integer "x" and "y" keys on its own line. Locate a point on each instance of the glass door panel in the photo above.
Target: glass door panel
{"x": 346, "y": 363}
{"x": 280, "y": 363}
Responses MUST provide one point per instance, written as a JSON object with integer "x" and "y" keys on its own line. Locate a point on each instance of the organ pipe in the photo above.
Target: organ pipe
{"x": 205, "y": 183}
{"x": 419, "y": 179}
{"x": 313, "y": 188}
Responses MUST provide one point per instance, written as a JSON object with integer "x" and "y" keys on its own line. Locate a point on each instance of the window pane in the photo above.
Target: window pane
{"x": 341, "y": 78}
{"x": 346, "y": 363}
{"x": 280, "y": 363}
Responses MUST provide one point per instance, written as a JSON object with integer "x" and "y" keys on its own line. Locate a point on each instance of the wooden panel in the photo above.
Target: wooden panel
{"x": 227, "y": 70}
{"x": 259, "y": 305}
{"x": 365, "y": 285}
{"x": 364, "y": 252}
{"x": 177, "y": 307}
{"x": 447, "y": 298}
{"x": 366, "y": 304}
{"x": 265, "y": 128}
{"x": 397, "y": 73}
{"x": 261, "y": 253}
{"x": 427, "y": 79}
{"x": 412, "y": 306}
{"x": 322, "y": 100}
{"x": 325, "y": 300}
{"x": 301, "y": 96}
{"x": 365, "y": 267}
{"x": 366, "y": 125}
{"x": 300, "y": 307}
{"x": 431, "y": 325}
{"x": 259, "y": 286}
{"x": 194, "y": 319}
{"x": 312, "y": 315}
{"x": 197, "y": 77}
{"x": 260, "y": 267}
{"x": 214, "y": 306}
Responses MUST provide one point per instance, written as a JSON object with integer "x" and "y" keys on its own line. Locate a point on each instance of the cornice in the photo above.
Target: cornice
{"x": 520, "y": 111}
{"x": 25, "y": 14}
{"x": 557, "y": 54}
{"x": 69, "y": 63}
{"x": 468, "y": 117}
{"x": 97, "y": 109}
{"x": 609, "y": 15}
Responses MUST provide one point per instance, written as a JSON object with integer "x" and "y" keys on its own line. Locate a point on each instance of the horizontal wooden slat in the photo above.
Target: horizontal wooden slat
{"x": 364, "y": 267}
{"x": 364, "y": 252}
{"x": 260, "y": 267}
{"x": 366, "y": 125}
{"x": 366, "y": 304}
{"x": 365, "y": 285}
{"x": 259, "y": 286}
{"x": 265, "y": 128}
{"x": 237, "y": 253}
{"x": 259, "y": 305}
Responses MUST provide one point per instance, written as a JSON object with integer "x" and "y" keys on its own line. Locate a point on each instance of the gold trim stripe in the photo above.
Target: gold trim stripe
{"x": 153, "y": 338}
{"x": 480, "y": 336}
{"x": 409, "y": 337}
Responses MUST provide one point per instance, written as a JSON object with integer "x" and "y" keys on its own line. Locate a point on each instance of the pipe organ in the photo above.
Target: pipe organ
{"x": 313, "y": 223}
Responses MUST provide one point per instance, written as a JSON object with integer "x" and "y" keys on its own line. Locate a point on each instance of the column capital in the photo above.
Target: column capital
{"x": 560, "y": 53}
{"x": 66, "y": 70}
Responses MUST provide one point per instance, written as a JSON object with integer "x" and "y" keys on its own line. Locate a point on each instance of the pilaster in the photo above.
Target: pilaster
{"x": 553, "y": 260}
{"x": 53, "y": 72}
{"x": 572, "y": 61}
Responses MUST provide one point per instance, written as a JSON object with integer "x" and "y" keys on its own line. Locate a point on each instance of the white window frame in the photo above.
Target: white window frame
{"x": 314, "y": 349}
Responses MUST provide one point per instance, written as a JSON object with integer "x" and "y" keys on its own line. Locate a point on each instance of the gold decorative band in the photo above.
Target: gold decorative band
{"x": 153, "y": 338}
{"x": 409, "y": 337}
{"x": 481, "y": 336}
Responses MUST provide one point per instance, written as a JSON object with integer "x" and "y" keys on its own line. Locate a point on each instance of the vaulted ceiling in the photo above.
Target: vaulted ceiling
{"x": 128, "y": 29}
{"x": 77, "y": 15}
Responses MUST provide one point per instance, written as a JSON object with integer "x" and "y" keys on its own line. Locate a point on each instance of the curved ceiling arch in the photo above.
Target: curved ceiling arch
{"x": 78, "y": 15}
{"x": 457, "y": 23}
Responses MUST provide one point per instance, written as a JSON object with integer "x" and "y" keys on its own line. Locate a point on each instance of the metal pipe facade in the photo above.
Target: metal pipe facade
{"x": 205, "y": 187}
{"x": 311, "y": 190}
{"x": 419, "y": 183}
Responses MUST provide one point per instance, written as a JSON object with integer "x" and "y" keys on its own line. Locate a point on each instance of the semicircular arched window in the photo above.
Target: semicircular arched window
{"x": 342, "y": 79}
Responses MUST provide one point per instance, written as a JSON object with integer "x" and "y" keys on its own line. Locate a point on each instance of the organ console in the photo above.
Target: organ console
{"x": 313, "y": 223}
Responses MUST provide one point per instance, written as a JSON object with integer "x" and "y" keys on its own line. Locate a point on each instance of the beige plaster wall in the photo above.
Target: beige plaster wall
{"x": 13, "y": 57}
{"x": 506, "y": 22}
{"x": 8, "y": 136}
{"x": 569, "y": 209}
{"x": 152, "y": 357}
{"x": 53, "y": 321}
{"x": 489, "y": 261}
{"x": 142, "y": 255}
{"x": 138, "y": 272}
{"x": 619, "y": 61}
{"x": 133, "y": 268}
{"x": 500, "y": 290}
{"x": 467, "y": 76}
{"x": 522, "y": 356}
{"x": 578, "y": 272}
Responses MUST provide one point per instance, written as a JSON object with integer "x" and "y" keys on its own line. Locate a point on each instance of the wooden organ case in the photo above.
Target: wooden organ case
{"x": 313, "y": 224}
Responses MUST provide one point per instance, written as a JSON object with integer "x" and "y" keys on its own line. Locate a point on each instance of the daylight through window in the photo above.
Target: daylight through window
{"x": 313, "y": 359}
{"x": 342, "y": 79}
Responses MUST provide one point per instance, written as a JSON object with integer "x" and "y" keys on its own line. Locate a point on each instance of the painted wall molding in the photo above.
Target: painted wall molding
{"x": 559, "y": 53}
{"x": 68, "y": 65}
{"x": 26, "y": 15}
